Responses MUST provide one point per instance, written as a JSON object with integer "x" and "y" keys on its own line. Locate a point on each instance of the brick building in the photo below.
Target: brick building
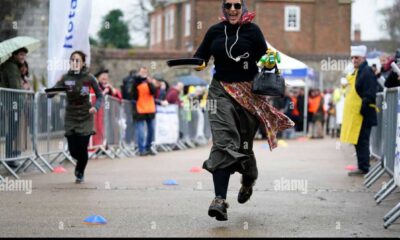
{"x": 297, "y": 27}
{"x": 310, "y": 30}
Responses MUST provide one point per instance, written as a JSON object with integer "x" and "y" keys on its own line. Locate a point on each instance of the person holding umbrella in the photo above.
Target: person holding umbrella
{"x": 11, "y": 78}
{"x": 79, "y": 110}
{"x": 236, "y": 45}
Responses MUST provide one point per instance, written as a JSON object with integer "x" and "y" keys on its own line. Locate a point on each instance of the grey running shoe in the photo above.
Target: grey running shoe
{"x": 218, "y": 209}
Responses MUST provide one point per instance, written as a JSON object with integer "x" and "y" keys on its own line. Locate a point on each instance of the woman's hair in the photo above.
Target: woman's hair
{"x": 25, "y": 64}
{"x": 81, "y": 54}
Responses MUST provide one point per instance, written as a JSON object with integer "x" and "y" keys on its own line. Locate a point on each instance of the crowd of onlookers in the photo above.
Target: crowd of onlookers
{"x": 145, "y": 91}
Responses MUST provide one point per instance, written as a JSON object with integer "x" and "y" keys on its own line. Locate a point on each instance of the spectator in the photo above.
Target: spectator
{"x": 295, "y": 113}
{"x": 144, "y": 110}
{"x": 384, "y": 73}
{"x": 360, "y": 109}
{"x": 161, "y": 92}
{"x": 10, "y": 70}
{"x": 288, "y": 111}
{"x": 25, "y": 79}
{"x": 127, "y": 83}
{"x": 173, "y": 94}
{"x": 11, "y": 78}
{"x": 316, "y": 113}
{"x": 393, "y": 79}
{"x": 105, "y": 85}
{"x": 338, "y": 101}
{"x": 300, "y": 106}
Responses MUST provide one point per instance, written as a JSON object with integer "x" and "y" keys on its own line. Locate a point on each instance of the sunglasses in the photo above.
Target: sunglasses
{"x": 229, "y": 6}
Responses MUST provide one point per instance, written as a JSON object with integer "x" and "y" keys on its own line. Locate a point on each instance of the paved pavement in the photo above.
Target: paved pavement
{"x": 303, "y": 191}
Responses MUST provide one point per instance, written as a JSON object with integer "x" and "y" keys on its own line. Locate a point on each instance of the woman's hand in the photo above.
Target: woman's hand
{"x": 92, "y": 110}
{"x": 270, "y": 59}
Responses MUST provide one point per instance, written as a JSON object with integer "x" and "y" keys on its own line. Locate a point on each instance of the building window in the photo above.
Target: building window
{"x": 159, "y": 28}
{"x": 166, "y": 25}
{"x": 169, "y": 24}
{"x": 187, "y": 19}
{"x": 292, "y": 18}
{"x": 152, "y": 31}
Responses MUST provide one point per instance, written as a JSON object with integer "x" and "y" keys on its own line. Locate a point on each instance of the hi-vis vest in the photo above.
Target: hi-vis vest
{"x": 145, "y": 103}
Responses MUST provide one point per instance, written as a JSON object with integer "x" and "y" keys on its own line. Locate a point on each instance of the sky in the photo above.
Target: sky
{"x": 364, "y": 12}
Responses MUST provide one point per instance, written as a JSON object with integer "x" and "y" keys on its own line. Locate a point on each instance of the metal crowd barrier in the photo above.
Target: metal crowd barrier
{"x": 112, "y": 125}
{"x": 393, "y": 107}
{"x": 166, "y": 128}
{"x": 32, "y": 129}
{"x": 98, "y": 142}
{"x": 376, "y": 146}
{"x": 127, "y": 128}
{"x": 387, "y": 144}
{"x": 186, "y": 118}
{"x": 50, "y": 143}
{"x": 17, "y": 130}
{"x": 383, "y": 148}
{"x": 376, "y": 143}
{"x": 49, "y": 140}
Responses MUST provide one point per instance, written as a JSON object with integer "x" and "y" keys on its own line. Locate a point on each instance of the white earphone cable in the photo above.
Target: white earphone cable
{"x": 237, "y": 59}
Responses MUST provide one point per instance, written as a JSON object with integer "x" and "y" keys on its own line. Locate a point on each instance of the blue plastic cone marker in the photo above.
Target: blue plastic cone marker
{"x": 170, "y": 182}
{"x": 95, "y": 220}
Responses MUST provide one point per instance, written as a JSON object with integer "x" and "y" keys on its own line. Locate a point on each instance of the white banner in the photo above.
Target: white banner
{"x": 167, "y": 125}
{"x": 397, "y": 153}
{"x": 69, "y": 22}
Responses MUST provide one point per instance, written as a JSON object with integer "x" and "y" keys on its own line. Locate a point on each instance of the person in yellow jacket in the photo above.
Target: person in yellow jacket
{"x": 360, "y": 110}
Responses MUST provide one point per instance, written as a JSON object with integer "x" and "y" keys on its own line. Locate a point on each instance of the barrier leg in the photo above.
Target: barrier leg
{"x": 383, "y": 189}
{"x": 67, "y": 157}
{"x": 394, "y": 216}
{"x": 37, "y": 165}
{"x": 375, "y": 178}
{"x": 56, "y": 157}
{"x": 386, "y": 193}
{"x": 391, "y": 212}
{"x": 373, "y": 169}
{"x": 372, "y": 174}
{"x": 31, "y": 161}
{"x": 48, "y": 165}
{"x": 10, "y": 170}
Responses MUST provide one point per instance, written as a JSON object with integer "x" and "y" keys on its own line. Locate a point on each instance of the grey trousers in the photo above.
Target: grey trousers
{"x": 233, "y": 129}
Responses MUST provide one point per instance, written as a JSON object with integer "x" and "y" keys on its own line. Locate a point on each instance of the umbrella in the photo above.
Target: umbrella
{"x": 192, "y": 80}
{"x": 374, "y": 54}
{"x": 7, "y": 47}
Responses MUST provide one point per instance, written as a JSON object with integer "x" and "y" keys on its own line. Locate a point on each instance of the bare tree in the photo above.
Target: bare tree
{"x": 139, "y": 21}
{"x": 392, "y": 20}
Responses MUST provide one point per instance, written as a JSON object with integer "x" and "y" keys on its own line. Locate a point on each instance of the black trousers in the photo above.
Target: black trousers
{"x": 362, "y": 147}
{"x": 77, "y": 146}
